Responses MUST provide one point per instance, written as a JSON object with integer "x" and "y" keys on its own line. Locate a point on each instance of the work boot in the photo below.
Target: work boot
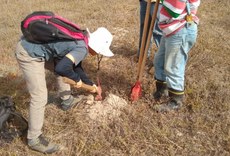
{"x": 175, "y": 102}
{"x": 161, "y": 90}
{"x": 70, "y": 103}
{"x": 40, "y": 144}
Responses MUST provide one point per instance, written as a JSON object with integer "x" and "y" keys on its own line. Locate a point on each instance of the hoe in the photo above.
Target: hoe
{"x": 87, "y": 87}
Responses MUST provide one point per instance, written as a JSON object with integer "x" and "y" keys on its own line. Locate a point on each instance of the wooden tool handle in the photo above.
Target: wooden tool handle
{"x": 144, "y": 36}
{"x": 154, "y": 16}
{"x": 84, "y": 86}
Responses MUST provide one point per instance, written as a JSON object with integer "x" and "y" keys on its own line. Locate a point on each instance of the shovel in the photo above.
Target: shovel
{"x": 87, "y": 87}
{"x": 136, "y": 89}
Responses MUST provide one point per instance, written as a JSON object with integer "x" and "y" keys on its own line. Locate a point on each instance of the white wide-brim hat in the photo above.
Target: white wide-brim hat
{"x": 100, "y": 41}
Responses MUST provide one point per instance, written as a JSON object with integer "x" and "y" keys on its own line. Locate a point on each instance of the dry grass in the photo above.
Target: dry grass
{"x": 202, "y": 127}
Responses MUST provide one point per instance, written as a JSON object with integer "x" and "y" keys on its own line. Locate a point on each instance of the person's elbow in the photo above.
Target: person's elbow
{"x": 59, "y": 70}
{"x": 64, "y": 67}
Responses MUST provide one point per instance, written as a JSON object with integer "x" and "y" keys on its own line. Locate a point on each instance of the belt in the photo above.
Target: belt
{"x": 188, "y": 24}
{"x": 189, "y": 18}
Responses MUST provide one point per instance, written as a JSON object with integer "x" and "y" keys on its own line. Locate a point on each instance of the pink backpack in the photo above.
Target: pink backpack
{"x": 45, "y": 27}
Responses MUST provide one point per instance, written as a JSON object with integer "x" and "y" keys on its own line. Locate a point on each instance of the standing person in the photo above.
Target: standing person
{"x": 32, "y": 59}
{"x": 178, "y": 21}
{"x": 157, "y": 33}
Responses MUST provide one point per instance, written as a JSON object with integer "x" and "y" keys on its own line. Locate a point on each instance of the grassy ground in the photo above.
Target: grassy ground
{"x": 201, "y": 127}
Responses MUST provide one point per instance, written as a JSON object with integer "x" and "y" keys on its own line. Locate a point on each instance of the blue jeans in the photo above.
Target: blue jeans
{"x": 157, "y": 33}
{"x": 171, "y": 58}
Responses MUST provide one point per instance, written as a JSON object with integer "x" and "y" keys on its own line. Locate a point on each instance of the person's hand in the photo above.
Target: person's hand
{"x": 78, "y": 84}
{"x": 95, "y": 89}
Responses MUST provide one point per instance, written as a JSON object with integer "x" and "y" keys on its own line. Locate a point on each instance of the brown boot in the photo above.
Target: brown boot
{"x": 175, "y": 102}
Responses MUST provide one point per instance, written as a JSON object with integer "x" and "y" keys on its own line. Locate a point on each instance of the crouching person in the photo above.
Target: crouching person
{"x": 32, "y": 58}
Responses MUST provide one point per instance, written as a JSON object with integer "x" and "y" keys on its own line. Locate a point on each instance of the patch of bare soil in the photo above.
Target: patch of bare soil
{"x": 106, "y": 110}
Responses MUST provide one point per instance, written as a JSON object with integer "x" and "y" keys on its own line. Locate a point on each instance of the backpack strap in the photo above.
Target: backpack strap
{"x": 8, "y": 134}
{"x": 8, "y": 114}
{"x": 22, "y": 119}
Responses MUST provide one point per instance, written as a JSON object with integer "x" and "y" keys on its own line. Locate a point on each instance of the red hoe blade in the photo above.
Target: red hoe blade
{"x": 136, "y": 91}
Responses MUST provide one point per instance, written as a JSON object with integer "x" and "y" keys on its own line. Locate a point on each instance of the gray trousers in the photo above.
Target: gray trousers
{"x": 34, "y": 73}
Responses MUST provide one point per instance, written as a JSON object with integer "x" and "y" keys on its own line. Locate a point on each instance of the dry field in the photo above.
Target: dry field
{"x": 118, "y": 127}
